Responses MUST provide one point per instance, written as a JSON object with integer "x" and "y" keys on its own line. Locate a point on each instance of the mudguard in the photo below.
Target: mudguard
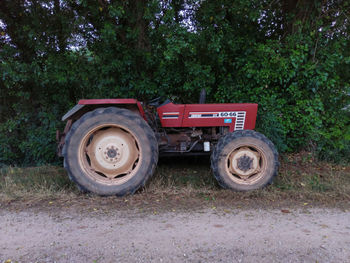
{"x": 82, "y": 106}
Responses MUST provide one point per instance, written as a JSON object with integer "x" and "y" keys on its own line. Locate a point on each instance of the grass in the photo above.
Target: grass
{"x": 301, "y": 179}
{"x": 34, "y": 182}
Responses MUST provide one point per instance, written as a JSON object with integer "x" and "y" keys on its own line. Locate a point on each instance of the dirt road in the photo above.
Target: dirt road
{"x": 212, "y": 235}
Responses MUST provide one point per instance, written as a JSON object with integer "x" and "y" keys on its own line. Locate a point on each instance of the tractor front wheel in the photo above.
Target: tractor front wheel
{"x": 110, "y": 151}
{"x": 244, "y": 160}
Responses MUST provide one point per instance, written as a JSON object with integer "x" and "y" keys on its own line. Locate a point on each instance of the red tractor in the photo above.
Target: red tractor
{"x": 111, "y": 146}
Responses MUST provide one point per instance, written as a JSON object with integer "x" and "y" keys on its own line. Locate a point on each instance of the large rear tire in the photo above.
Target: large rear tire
{"x": 244, "y": 160}
{"x": 110, "y": 151}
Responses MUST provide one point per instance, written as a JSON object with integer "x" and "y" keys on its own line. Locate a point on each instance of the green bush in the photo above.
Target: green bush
{"x": 296, "y": 67}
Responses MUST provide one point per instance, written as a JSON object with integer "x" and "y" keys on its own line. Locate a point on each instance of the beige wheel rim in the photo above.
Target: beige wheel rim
{"x": 246, "y": 164}
{"x": 110, "y": 154}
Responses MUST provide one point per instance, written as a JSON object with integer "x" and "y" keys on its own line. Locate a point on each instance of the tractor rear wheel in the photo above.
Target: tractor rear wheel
{"x": 110, "y": 151}
{"x": 244, "y": 160}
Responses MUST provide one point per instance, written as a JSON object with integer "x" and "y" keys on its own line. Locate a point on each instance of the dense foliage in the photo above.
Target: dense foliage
{"x": 290, "y": 56}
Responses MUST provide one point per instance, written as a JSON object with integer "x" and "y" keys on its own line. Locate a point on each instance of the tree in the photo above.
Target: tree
{"x": 290, "y": 56}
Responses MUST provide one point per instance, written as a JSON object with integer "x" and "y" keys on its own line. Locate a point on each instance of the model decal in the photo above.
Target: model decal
{"x": 238, "y": 115}
{"x": 220, "y": 114}
{"x": 170, "y": 115}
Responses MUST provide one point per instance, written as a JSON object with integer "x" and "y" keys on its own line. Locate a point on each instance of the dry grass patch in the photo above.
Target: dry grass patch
{"x": 34, "y": 182}
{"x": 302, "y": 173}
{"x": 189, "y": 181}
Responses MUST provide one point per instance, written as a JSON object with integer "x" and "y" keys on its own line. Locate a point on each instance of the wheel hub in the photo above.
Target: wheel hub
{"x": 244, "y": 162}
{"x": 112, "y": 152}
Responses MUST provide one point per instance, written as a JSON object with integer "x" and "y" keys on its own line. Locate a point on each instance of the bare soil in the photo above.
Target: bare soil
{"x": 216, "y": 234}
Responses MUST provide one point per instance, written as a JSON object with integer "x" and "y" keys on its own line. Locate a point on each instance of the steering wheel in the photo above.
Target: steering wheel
{"x": 154, "y": 102}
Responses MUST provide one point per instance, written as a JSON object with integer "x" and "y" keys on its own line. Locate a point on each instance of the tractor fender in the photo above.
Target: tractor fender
{"x": 84, "y": 106}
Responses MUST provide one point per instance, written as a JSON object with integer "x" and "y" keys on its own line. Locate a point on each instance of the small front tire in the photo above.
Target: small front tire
{"x": 244, "y": 160}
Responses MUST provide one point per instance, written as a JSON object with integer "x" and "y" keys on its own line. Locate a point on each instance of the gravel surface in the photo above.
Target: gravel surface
{"x": 213, "y": 235}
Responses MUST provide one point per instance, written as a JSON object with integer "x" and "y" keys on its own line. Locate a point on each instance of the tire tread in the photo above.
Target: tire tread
{"x": 223, "y": 141}
{"x": 129, "y": 115}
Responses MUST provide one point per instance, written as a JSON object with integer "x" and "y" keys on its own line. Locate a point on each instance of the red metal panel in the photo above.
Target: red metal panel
{"x": 141, "y": 110}
{"x": 171, "y": 114}
{"x": 236, "y": 116}
{"x": 114, "y": 101}
{"x": 107, "y": 101}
